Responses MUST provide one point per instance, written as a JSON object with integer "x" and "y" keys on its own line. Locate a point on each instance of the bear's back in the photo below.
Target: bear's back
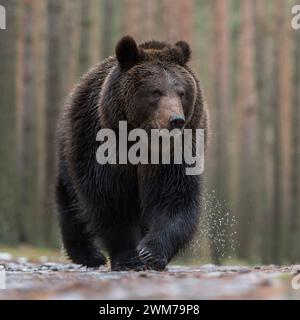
{"x": 80, "y": 109}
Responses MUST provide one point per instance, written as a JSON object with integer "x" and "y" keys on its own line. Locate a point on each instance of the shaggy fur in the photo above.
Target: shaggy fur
{"x": 142, "y": 215}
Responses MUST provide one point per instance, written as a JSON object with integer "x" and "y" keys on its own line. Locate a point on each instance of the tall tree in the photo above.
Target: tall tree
{"x": 39, "y": 53}
{"x": 54, "y": 98}
{"x": 170, "y": 18}
{"x": 89, "y": 33}
{"x": 186, "y": 10}
{"x": 134, "y": 21}
{"x": 150, "y": 10}
{"x": 71, "y": 51}
{"x": 85, "y": 35}
{"x": 8, "y": 123}
{"x": 282, "y": 129}
{"x": 294, "y": 223}
{"x": 25, "y": 121}
{"x": 247, "y": 111}
{"x": 95, "y": 32}
{"x": 264, "y": 65}
{"x": 221, "y": 83}
{"x": 107, "y": 27}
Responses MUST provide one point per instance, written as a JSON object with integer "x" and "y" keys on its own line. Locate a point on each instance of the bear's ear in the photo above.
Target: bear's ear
{"x": 185, "y": 49}
{"x": 127, "y": 53}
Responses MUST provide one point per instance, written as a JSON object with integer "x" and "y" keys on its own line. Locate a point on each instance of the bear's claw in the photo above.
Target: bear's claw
{"x": 127, "y": 263}
{"x": 90, "y": 261}
{"x": 151, "y": 261}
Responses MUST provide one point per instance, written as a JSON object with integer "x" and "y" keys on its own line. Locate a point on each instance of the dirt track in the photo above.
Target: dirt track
{"x": 67, "y": 281}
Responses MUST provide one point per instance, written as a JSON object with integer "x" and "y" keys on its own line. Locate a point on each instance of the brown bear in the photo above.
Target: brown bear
{"x": 141, "y": 215}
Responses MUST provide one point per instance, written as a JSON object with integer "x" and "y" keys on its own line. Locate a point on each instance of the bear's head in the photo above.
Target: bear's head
{"x": 149, "y": 86}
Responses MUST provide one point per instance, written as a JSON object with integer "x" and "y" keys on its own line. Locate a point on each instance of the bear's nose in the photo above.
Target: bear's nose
{"x": 177, "y": 122}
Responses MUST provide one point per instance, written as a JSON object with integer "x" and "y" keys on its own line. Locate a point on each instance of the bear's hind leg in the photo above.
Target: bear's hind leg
{"x": 79, "y": 244}
{"x": 78, "y": 241}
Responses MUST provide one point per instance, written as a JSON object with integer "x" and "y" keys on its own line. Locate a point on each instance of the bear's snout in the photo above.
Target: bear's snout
{"x": 177, "y": 121}
{"x": 169, "y": 114}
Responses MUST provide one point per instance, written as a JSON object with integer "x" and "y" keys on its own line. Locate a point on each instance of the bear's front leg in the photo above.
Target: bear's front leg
{"x": 121, "y": 244}
{"x": 170, "y": 203}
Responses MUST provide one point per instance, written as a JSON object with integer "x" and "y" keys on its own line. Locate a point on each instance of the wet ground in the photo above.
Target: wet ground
{"x": 67, "y": 281}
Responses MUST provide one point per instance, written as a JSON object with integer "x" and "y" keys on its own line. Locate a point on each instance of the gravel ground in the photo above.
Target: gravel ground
{"x": 68, "y": 281}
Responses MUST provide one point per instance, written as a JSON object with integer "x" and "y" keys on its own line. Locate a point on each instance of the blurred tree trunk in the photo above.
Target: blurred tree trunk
{"x": 186, "y": 18}
{"x": 70, "y": 43}
{"x": 96, "y": 32}
{"x": 285, "y": 105}
{"x": 264, "y": 65}
{"x": 247, "y": 117}
{"x": 8, "y": 218}
{"x": 221, "y": 83}
{"x": 54, "y": 99}
{"x": 89, "y": 35}
{"x": 294, "y": 226}
{"x": 170, "y": 18}
{"x": 39, "y": 53}
{"x": 107, "y": 27}
{"x": 282, "y": 149}
{"x": 133, "y": 21}
{"x": 150, "y": 10}
{"x": 26, "y": 153}
{"x": 85, "y": 36}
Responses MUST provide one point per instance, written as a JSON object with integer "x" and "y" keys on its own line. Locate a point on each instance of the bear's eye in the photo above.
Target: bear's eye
{"x": 156, "y": 93}
{"x": 180, "y": 94}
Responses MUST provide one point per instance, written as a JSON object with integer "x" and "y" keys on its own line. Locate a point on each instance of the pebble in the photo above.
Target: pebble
{"x": 5, "y": 256}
